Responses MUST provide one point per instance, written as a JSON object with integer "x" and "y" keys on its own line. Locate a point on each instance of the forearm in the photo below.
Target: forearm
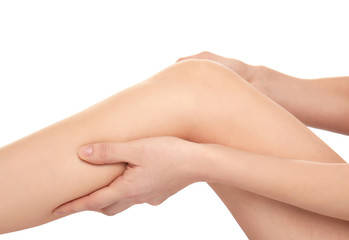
{"x": 314, "y": 186}
{"x": 321, "y": 103}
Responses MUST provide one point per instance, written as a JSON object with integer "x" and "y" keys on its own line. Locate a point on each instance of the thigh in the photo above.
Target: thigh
{"x": 229, "y": 111}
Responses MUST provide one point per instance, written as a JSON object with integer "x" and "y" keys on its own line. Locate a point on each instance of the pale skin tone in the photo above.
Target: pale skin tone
{"x": 309, "y": 185}
{"x": 196, "y": 100}
{"x": 321, "y": 103}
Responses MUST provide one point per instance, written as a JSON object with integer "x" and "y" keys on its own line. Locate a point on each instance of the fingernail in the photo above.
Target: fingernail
{"x": 86, "y": 151}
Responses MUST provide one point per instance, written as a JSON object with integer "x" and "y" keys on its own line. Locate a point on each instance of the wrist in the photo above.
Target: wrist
{"x": 274, "y": 84}
{"x": 196, "y": 163}
{"x": 202, "y": 163}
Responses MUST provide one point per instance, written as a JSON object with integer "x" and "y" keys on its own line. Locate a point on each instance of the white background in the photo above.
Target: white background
{"x": 59, "y": 57}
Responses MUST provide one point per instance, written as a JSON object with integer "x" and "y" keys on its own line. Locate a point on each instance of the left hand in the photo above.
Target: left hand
{"x": 158, "y": 167}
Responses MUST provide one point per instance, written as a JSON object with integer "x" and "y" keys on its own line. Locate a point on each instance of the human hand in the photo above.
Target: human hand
{"x": 158, "y": 167}
{"x": 244, "y": 70}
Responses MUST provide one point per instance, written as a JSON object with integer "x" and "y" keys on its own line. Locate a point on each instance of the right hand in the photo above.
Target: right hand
{"x": 157, "y": 168}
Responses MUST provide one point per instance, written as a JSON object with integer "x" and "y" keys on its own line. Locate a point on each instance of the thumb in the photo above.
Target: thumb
{"x": 106, "y": 153}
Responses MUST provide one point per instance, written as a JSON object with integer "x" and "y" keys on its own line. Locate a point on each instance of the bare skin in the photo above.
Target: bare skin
{"x": 168, "y": 164}
{"x": 197, "y": 100}
{"x": 320, "y": 103}
{"x": 318, "y": 187}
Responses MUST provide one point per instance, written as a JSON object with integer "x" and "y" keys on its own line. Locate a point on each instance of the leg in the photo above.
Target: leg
{"x": 42, "y": 171}
{"x": 161, "y": 105}
{"x": 235, "y": 114}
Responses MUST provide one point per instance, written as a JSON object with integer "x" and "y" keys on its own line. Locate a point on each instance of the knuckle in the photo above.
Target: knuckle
{"x": 107, "y": 212}
{"x": 155, "y": 202}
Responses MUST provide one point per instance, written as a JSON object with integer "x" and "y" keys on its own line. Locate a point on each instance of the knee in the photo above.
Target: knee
{"x": 199, "y": 73}
{"x": 200, "y": 70}
{"x": 193, "y": 83}
{"x": 207, "y": 77}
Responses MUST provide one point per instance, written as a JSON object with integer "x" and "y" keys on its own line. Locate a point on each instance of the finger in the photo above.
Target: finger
{"x": 93, "y": 202}
{"x": 118, "y": 207}
{"x": 107, "y": 153}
